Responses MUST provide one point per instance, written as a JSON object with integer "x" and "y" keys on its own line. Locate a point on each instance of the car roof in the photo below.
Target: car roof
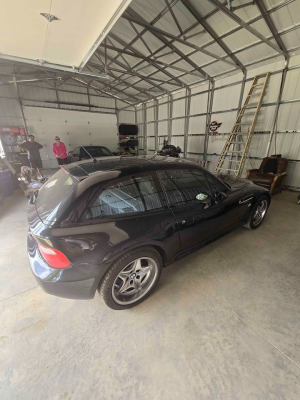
{"x": 125, "y": 165}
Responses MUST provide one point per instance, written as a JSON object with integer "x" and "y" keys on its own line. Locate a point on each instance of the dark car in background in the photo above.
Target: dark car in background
{"x": 112, "y": 225}
{"x": 88, "y": 152}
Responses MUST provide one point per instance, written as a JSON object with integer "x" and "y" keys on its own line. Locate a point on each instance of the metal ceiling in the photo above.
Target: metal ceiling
{"x": 162, "y": 46}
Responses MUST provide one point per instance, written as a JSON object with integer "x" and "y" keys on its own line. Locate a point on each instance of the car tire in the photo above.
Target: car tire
{"x": 258, "y": 213}
{"x": 131, "y": 279}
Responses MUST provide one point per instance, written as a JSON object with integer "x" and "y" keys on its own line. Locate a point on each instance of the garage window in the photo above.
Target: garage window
{"x": 129, "y": 196}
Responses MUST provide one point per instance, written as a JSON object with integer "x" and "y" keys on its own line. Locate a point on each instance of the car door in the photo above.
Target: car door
{"x": 236, "y": 201}
{"x": 199, "y": 215}
{"x": 131, "y": 212}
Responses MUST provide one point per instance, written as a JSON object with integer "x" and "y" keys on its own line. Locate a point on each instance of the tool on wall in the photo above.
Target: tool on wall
{"x": 236, "y": 148}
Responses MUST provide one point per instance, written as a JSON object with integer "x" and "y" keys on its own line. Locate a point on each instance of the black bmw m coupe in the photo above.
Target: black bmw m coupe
{"x": 111, "y": 225}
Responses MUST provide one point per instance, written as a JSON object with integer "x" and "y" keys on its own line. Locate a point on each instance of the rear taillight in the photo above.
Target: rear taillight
{"x": 53, "y": 257}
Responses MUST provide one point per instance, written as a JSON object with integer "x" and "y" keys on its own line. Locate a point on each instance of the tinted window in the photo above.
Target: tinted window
{"x": 95, "y": 151}
{"x": 52, "y": 193}
{"x": 215, "y": 185}
{"x": 130, "y": 196}
{"x": 182, "y": 186}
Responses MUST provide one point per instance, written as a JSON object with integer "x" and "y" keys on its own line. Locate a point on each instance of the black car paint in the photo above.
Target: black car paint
{"x": 93, "y": 246}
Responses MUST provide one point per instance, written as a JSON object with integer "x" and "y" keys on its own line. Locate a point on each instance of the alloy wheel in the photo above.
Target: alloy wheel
{"x": 260, "y": 212}
{"x": 135, "y": 280}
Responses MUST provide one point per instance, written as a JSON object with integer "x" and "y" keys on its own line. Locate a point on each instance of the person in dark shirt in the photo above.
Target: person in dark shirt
{"x": 33, "y": 150}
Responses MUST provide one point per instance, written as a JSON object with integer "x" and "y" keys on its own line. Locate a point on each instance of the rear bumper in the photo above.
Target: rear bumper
{"x": 77, "y": 282}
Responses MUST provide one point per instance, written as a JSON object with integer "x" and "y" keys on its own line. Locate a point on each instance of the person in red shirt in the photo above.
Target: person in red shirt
{"x": 60, "y": 151}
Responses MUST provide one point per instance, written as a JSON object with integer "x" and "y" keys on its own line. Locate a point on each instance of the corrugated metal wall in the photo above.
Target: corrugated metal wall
{"x": 167, "y": 117}
{"x": 185, "y": 124}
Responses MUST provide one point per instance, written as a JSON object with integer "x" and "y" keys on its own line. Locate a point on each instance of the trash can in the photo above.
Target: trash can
{"x": 6, "y": 186}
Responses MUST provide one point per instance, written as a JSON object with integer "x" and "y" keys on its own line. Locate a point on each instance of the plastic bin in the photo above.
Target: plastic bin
{"x": 6, "y": 186}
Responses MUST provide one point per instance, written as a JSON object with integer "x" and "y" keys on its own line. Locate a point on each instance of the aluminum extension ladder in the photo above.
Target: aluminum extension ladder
{"x": 238, "y": 142}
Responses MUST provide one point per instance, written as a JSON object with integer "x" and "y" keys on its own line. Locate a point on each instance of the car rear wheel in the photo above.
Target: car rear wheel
{"x": 131, "y": 278}
{"x": 258, "y": 213}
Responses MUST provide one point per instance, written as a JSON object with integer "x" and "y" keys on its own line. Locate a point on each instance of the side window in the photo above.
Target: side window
{"x": 83, "y": 153}
{"x": 129, "y": 196}
{"x": 215, "y": 185}
{"x": 182, "y": 186}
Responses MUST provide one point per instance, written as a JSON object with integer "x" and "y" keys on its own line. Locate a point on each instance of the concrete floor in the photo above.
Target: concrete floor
{"x": 223, "y": 323}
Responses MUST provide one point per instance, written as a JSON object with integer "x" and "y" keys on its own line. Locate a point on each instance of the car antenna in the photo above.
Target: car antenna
{"x": 93, "y": 158}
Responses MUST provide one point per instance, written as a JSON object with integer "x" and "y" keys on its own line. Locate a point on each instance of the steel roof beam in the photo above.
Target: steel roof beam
{"x": 170, "y": 45}
{"x": 160, "y": 32}
{"x": 246, "y": 26}
{"x": 156, "y": 61}
{"x": 117, "y": 39}
{"x": 100, "y": 90}
{"x": 157, "y": 18}
{"x": 189, "y": 6}
{"x": 130, "y": 70}
{"x": 271, "y": 26}
{"x": 174, "y": 18}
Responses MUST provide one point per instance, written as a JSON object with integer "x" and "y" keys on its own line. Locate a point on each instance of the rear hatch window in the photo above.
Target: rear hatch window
{"x": 53, "y": 199}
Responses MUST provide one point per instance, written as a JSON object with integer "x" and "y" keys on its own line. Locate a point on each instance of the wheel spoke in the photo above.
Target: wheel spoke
{"x": 126, "y": 285}
{"x": 136, "y": 284}
{"x": 124, "y": 275}
{"x": 137, "y": 266}
{"x": 144, "y": 271}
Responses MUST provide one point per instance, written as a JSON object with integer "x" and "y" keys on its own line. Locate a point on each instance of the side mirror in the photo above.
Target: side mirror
{"x": 75, "y": 155}
{"x": 204, "y": 199}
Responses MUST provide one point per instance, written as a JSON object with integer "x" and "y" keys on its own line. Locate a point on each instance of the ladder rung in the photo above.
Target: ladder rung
{"x": 238, "y": 142}
{"x": 235, "y": 151}
{"x": 254, "y": 94}
{"x": 251, "y": 106}
{"x": 228, "y": 169}
{"x": 238, "y": 161}
{"x": 243, "y": 123}
{"x": 258, "y": 84}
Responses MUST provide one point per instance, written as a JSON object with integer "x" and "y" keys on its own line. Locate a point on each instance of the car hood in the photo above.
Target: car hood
{"x": 235, "y": 184}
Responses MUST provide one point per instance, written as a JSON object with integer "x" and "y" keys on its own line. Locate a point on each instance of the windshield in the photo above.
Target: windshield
{"x": 97, "y": 151}
{"x": 49, "y": 200}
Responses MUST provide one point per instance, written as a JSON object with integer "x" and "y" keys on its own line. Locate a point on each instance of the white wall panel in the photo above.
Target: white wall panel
{"x": 227, "y": 98}
{"x": 150, "y": 145}
{"x": 163, "y": 111}
{"x": 163, "y": 128}
{"x": 150, "y": 111}
{"x": 150, "y": 129}
{"x": 287, "y": 144}
{"x": 75, "y": 128}
{"x": 199, "y": 104}
{"x": 178, "y": 126}
{"x": 289, "y": 117}
{"x": 179, "y": 108}
{"x": 197, "y": 125}
{"x": 126, "y": 117}
{"x": 195, "y": 144}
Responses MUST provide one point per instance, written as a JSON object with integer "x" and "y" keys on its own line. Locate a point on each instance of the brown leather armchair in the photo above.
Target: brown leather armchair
{"x": 273, "y": 181}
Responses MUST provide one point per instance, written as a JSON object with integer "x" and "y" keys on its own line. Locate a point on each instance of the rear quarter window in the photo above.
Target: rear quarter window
{"x": 52, "y": 193}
